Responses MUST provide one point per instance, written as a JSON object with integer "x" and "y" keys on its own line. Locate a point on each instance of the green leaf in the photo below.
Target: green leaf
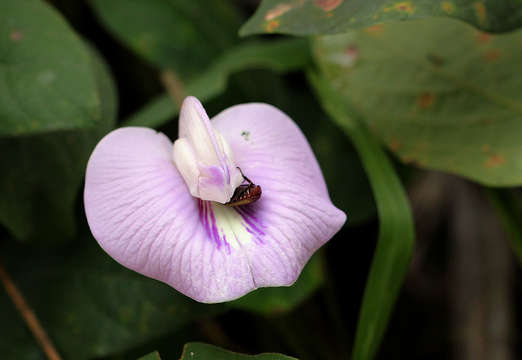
{"x": 152, "y": 356}
{"x": 201, "y": 351}
{"x": 89, "y": 305}
{"x": 306, "y": 17}
{"x": 438, "y": 93}
{"x": 42, "y": 173}
{"x": 280, "y": 56}
{"x": 283, "y": 299}
{"x": 46, "y": 76}
{"x": 182, "y": 35}
{"x": 396, "y": 232}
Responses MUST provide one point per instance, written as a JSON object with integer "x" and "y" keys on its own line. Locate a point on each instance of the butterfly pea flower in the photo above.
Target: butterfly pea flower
{"x": 163, "y": 209}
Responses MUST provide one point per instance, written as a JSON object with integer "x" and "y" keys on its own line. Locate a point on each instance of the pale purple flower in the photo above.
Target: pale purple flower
{"x": 158, "y": 208}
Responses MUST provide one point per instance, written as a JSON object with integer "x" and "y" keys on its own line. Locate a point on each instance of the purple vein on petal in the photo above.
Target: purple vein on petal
{"x": 253, "y": 224}
{"x": 215, "y": 232}
{"x": 218, "y": 227}
{"x": 251, "y": 219}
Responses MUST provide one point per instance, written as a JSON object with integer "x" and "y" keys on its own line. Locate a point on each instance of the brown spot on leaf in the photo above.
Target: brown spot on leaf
{"x": 485, "y": 148}
{"x": 425, "y": 100}
{"x": 495, "y": 160}
{"x": 448, "y": 7}
{"x": 352, "y": 51}
{"x": 492, "y": 55}
{"x": 480, "y": 10}
{"x": 404, "y": 6}
{"x": 328, "y": 5}
{"x": 278, "y": 11}
{"x": 483, "y": 37}
{"x": 272, "y": 25}
{"x": 16, "y": 35}
{"x": 395, "y": 145}
{"x": 435, "y": 59}
{"x": 374, "y": 29}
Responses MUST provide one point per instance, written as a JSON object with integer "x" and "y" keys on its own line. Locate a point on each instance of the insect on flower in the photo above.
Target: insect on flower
{"x": 245, "y": 193}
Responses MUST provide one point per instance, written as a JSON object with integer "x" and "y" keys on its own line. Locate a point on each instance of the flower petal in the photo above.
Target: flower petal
{"x": 295, "y": 210}
{"x": 142, "y": 214}
{"x": 218, "y": 176}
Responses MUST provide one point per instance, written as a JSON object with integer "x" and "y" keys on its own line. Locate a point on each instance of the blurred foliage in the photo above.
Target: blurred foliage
{"x": 437, "y": 92}
{"x": 281, "y": 56}
{"x": 307, "y": 17}
{"x": 508, "y": 204}
{"x": 276, "y": 300}
{"x": 396, "y": 233}
{"x": 163, "y": 30}
{"x": 47, "y": 79}
{"x": 151, "y": 356}
{"x": 451, "y": 103}
{"x": 90, "y": 305}
{"x": 200, "y": 351}
{"x": 43, "y": 173}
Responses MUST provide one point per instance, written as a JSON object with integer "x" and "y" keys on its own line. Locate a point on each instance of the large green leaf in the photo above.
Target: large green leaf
{"x": 90, "y": 305}
{"x": 396, "y": 232}
{"x": 46, "y": 77}
{"x": 42, "y": 173}
{"x": 282, "y": 299}
{"x": 182, "y": 35}
{"x": 305, "y": 17}
{"x": 280, "y": 56}
{"x": 437, "y": 92}
{"x": 201, "y": 351}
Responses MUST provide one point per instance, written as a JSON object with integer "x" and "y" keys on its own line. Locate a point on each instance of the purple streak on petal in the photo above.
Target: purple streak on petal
{"x": 251, "y": 220}
{"x": 227, "y": 245}
{"x": 214, "y": 230}
{"x": 202, "y": 208}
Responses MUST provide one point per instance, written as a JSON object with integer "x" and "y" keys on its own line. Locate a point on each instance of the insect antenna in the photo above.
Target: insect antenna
{"x": 244, "y": 177}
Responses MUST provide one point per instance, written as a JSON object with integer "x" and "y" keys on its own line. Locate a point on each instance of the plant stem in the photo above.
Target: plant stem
{"x": 28, "y": 315}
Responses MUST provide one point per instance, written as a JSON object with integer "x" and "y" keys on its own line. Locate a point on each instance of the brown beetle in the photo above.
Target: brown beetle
{"x": 245, "y": 193}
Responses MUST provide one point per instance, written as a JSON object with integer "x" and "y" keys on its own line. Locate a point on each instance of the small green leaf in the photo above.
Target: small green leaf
{"x": 437, "y": 92}
{"x": 89, "y": 305}
{"x": 396, "y": 232}
{"x": 201, "y": 351}
{"x": 42, "y": 173}
{"x": 152, "y": 356}
{"x": 46, "y": 76}
{"x": 306, "y": 17}
{"x": 280, "y": 56}
{"x": 182, "y": 35}
{"x": 283, "y": 299}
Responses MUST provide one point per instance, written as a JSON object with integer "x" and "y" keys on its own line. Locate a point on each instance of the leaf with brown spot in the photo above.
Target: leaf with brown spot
{"x": 328, "y": 5}
{"x": 309, "y": 16}
{"x": 495, "y": 160}
{"x": 426, "y": 99}
{"x": 454, "y": 106}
